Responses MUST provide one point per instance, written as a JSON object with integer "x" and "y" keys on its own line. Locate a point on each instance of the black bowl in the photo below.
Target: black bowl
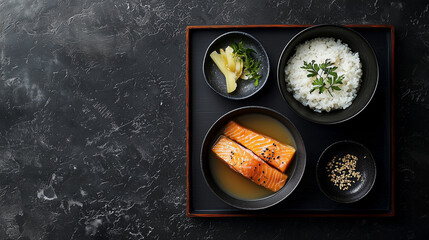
{"x": 216, "y": 80}
{"x": 357, "y": 43}
{"x": 365, "y": 166}
{"x": 294, "y": 171}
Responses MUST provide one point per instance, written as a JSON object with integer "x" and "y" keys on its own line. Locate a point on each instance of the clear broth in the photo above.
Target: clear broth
{"x": 234, "y": 183}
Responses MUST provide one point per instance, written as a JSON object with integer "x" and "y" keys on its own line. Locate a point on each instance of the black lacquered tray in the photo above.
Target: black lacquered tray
{"x": 374, "y": 127}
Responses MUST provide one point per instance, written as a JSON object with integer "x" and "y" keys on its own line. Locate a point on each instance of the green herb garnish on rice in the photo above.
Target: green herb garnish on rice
{"x": 325, "y": 76}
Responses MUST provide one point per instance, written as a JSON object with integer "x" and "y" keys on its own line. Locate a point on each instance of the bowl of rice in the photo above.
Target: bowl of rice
{"x": 328, "y": 74}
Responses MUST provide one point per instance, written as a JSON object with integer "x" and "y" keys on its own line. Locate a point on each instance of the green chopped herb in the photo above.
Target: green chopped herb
{"x": 251, "y": 65}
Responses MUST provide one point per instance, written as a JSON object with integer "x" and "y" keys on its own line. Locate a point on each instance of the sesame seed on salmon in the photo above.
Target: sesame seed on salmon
{"x": 268, "y": 149}
{"x": 248, "y": 164}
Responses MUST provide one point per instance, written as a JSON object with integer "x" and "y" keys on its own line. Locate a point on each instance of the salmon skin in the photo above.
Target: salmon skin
{"x": 273, "y": 152}
{"x": 246, "y": 163}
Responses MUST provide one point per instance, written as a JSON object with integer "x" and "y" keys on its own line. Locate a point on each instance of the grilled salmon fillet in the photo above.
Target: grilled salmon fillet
{"x": 248, "y": 164}
{"x": 270, "y": 150}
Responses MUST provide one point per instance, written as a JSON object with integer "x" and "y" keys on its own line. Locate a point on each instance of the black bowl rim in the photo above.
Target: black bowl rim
{"x": 298, "y": 177}
{"x": 320, "y": 26}
{"x": 264, "y": 53}
{"x": 370, "y": 157}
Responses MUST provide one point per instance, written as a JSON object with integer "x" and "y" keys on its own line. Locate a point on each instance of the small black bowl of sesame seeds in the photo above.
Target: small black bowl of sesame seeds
{"x": 346, "y": 171}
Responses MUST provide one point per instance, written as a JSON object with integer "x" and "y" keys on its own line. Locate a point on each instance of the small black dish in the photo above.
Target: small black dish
{"x": 357, "y": 43}
{"x": 216, "y": 80}
{"x": 294, "y": 171}
{"x": 365, "y": 165}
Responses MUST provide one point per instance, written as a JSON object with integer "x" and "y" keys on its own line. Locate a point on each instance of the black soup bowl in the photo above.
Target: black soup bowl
{"x": 370, "y": 73}
{"x": 216, "y": 80}
{"x": 294, "y": 171}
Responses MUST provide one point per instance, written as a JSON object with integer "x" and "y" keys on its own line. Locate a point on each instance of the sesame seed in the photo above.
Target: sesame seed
{"x": 342, "y": 171}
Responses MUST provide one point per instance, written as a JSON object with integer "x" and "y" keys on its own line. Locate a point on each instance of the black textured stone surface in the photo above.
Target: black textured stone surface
{"x": 93, "y": 116}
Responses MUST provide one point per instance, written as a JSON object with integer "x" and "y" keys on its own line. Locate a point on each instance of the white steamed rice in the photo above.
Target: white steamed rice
{"x": 320, "y": 49}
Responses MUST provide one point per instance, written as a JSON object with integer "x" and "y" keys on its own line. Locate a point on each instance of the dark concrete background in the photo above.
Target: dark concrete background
{"x": 92, "y": 118}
